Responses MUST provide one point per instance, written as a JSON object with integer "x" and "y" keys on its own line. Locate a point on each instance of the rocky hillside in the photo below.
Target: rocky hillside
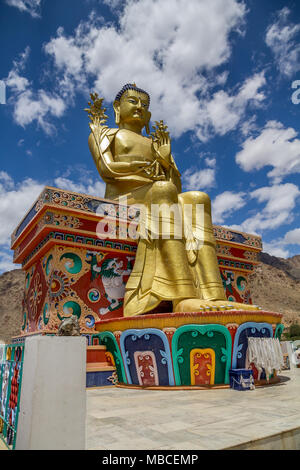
{"x": 275, "y": 286}
{"x": 11, "y": 294}
{"x": 290, "y": 266}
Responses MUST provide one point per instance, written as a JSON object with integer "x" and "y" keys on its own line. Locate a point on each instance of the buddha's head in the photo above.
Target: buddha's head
{"x": 131, "y": 107}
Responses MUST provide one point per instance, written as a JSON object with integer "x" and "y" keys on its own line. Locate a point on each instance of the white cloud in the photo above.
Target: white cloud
{"x": 164, "y": 46}
{"x": 225, "y": 204}
{"x": 210, "y": 162}
{"x": 6, "y": 261}
{"x": 275, "y": 146}
{"x": 224, "y": 111}
{"x": 15, "y": 200}
{"x": 280, "y": 201}
{"x": 113, "y": 4}
{"x": 38, "y": 107}
{"x": 262, "y": 221}
{"x": 68, "y": 55}
{"x": 30, "y": 6}
{"x": 275, "y": 248}
{"x": 292, "y": 237}
{"x": 280, "y": 246}
{"x": 6, "y": 181}
{"x": 89, "y": 186}
{"x": 14, "y": 80}
{"x": 278, "y": 197}
{"x": 29, "y": 106}
{"x": 198, "y": 180}
{"x": 280, "y": 37}
{"x": 249, "y": 126}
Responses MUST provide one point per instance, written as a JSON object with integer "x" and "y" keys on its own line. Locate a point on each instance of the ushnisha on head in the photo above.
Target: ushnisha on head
{"x": 131, "y": 86}
{"x": 131, "y": 107}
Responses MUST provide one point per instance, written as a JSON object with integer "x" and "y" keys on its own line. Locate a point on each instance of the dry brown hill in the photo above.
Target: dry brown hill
{"x": 275, "y": 286}
{"x": 11, "y": 295}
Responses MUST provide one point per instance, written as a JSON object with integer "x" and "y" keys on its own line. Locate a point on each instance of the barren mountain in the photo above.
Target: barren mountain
{"x": 275, "y": 286}
{"x": 11, "y": 295}
{"x": 291, "y": 265}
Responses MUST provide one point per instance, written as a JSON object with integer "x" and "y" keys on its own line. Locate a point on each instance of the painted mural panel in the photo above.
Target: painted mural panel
{"x": 147, "y": 357}
{"x": 74, "y": 281}
{"x": 146, "y": 368}
{"x": 202, "y": 363}
{"x": 278, "y": 331}
{"x": 257, "y": 330}
{"x": 236, "y": 286}
{"x": 190, "y": 337}
{"x": 108, "y": 339}
{"x": 11, "y": 362}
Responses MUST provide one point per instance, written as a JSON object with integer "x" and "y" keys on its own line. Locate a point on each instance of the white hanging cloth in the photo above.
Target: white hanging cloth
{"x": 265, "y": 353}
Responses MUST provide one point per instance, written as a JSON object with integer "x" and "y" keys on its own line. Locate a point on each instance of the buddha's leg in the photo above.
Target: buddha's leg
{"x": 205, "y": 263}
{"x": 203, "y": 260}
{"x": 161, "y": 270}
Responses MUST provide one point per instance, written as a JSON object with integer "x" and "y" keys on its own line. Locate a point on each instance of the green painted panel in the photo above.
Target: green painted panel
{"x": 278, "y": 331}
{"x": 189, "y": 337}
{"x": 108, "y": 339}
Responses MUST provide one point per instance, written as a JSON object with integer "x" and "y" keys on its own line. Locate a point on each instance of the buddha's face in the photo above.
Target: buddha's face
{"x": 133, "y": 108}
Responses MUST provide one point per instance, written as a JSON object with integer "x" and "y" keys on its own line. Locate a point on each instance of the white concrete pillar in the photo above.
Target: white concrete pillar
{"x": 53, "y": 394}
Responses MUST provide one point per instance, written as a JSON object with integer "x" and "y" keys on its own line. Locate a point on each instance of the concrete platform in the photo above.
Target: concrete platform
{"x": 264, "y": 418}
{"x": 2, "y": 445}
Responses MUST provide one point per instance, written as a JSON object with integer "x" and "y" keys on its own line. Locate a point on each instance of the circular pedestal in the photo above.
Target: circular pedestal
{"x": 194, "y": 350}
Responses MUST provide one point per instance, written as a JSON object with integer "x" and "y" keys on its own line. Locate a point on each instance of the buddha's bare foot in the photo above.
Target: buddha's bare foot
{"x": 236, "y": 305}
{"x": 200, "y": 305}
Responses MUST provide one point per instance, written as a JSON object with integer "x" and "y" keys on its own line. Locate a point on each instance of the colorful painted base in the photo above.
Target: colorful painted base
{"x": 183, "y": 349}
{"x": 98, "y": 379}
{"x": 257, "y": 383}
{"x": 100, "y": 367}
{"x": 70, "y": 245}
{"x": 77, "y": 255}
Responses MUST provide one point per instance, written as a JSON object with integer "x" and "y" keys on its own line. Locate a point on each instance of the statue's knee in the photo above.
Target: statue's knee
{"x": 203, "y": 198}
{"x": 163, "y": 186}
{"x": 164, "y": 191}
{"x": 196, "y": 197}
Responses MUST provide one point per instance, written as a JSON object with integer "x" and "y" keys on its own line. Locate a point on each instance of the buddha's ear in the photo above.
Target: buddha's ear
{"x": 147, "y": 123}
{"x": 116, "y": 106}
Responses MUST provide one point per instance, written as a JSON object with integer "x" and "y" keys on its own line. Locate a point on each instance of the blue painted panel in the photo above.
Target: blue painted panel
{"x": 149, "y": 339}
{"x": 26, "y": 220}
{"x": 244, "y": 331}
{"x": 98, "y": 379}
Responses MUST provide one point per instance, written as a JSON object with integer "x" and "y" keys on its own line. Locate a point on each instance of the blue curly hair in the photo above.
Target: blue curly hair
{"x": 131, "y": 86}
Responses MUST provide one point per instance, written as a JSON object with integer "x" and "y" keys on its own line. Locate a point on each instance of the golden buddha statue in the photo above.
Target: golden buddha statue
{"x": 142, "y": 169}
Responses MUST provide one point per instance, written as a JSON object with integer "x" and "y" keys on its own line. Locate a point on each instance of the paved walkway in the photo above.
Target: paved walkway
{"x": 127, "y": 419}
{"x": 2, "y": 445}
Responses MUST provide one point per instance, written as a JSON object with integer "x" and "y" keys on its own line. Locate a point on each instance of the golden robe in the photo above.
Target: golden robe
{"x": 166, "y": 267}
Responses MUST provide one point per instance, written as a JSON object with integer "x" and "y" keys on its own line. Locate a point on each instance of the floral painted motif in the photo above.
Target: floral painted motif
{"x": 146, "y": 368}
{"x": 137, "y": 342}
{"x": 202, "y": 364}
{"x": 191, "y": 339}
{"x": 35, "y": 296}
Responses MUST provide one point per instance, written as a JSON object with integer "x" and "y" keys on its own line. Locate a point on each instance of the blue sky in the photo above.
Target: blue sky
{"x": 219, "y": 72}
